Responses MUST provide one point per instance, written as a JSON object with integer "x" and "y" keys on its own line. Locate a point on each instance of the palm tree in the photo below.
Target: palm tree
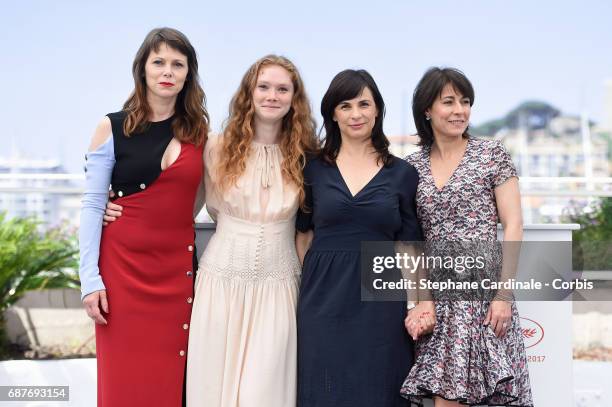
{"x": 32, "y": 258}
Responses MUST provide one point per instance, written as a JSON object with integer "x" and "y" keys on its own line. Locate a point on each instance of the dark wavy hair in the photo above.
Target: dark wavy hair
{"x": 190, "y": 123}
{"x": 428, "y": 90}
{"x": 347, "y": 85}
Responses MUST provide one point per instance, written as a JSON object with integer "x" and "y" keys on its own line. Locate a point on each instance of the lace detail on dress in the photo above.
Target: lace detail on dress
{"x": 242, "y": 249}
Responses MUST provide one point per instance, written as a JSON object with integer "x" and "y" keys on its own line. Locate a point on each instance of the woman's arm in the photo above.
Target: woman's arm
{"x": 420, "y": 317}
{"x": 201, "y": 194}
{"x": 100, "y": 161}
{"x": 304, "y": 219}
{"x": 508, "y": 200}
{"x": 114, "y": 211}
{"x": 303, "y": 240}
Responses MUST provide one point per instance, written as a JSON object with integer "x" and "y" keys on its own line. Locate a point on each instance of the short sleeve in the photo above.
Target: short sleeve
{"x": 303, "y": 222}
{"x": 410, "y": 230}
{"x": 504, "y": 168}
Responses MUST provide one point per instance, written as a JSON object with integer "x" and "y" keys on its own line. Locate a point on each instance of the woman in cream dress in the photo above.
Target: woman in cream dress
{"x": 242, "y": 341}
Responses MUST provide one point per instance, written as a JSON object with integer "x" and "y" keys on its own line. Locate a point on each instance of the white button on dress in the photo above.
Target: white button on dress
{"x": 247, "y": 283}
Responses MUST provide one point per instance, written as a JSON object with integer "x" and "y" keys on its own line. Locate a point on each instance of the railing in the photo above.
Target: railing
{"x": 530, "y": 186}
{"x": 586, "y": 187}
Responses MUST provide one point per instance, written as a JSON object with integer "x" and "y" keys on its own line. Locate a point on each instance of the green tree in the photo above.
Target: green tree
{"x": 30, "y": 259}
{"x": 593, "y": 242}
{"x": 531, "y": 114}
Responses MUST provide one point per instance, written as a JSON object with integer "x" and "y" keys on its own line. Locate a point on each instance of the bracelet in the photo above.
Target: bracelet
{"x": 504, "y": 297}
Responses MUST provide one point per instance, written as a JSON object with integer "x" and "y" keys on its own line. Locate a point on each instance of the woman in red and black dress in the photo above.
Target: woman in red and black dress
{"x": 137, "y": 276}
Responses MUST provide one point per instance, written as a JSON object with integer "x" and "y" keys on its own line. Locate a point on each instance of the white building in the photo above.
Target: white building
{"x": 39, "y": 188}
{"x": 403, "y": 144}
{"x": 556, "y": 151}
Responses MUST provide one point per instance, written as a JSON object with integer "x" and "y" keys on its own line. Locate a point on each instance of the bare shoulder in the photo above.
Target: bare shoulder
{"x": 213, "y": 144}
{"x": 211, "y": 150}
{"x": 213, "y": 139}
{"x": 102, "y": 133}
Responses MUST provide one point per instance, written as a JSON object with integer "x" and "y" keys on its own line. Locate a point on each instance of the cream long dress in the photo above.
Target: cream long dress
{"x": 242, "y": 341}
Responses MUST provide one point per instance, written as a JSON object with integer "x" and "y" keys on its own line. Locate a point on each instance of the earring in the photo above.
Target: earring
{"x": 427, "y": 117}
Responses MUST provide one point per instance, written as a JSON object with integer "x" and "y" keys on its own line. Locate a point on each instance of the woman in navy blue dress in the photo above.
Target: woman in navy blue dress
{"x": 352, "y": 353}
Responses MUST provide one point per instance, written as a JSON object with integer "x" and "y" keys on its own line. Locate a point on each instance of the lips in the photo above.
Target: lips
{"x": 272, "y": 107}
{"x": 166, "y": 84}
{"x": 356, "y": 126}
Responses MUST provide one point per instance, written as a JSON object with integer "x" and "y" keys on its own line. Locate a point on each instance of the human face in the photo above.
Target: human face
{"x": 272, "y": 94}
{"x": 450, "y": 113}
{"x": 165, "y": 72}
{"x": 356, "y": 117}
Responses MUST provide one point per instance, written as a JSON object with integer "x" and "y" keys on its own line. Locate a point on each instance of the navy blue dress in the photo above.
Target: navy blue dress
{"x": 352, "y": 353}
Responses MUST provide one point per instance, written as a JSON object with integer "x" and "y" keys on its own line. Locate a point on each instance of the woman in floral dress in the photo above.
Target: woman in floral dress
{"x": 475, "y": 355}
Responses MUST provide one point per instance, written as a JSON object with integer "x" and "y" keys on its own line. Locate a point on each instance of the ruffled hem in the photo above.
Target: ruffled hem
{"x": 427, "y": 393}
{"x": 481, "y": 369}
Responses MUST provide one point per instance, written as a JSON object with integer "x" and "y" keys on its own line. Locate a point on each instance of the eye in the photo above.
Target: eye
{"x": 365, "y": 104}
{"x": 179, "y": 64}
{"x": 466, "y": 101}
{"x": 262, "y": 86}
{"x": 447, "y": 102}
{"x": 157, "y": 62}
{"x": 344, "y": 107}
{"x": 283, "y": 90}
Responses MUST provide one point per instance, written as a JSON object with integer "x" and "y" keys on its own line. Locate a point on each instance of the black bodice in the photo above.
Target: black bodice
{"x": 138, "y": 157}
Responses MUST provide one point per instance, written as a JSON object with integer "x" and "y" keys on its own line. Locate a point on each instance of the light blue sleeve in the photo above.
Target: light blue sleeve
{"x": 98, "y": 170}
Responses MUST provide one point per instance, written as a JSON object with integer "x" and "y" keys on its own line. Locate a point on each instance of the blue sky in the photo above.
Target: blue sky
{"x": 67, "y": 63}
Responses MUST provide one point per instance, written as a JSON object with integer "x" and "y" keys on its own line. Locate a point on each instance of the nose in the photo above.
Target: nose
{"x": 271, "y": 95}
{"x": 167, "y": 71}
{"x": 356, "y": 113}
{"x": 459, "y": 108}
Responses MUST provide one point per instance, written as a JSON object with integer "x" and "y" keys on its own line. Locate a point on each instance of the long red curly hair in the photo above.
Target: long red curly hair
{"x": 297, "y": 137}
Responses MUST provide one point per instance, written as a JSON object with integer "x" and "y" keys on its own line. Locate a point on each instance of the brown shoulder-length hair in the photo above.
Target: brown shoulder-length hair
{"x": 347, "y": 85}
{"x": 297, "y": 137}
{"x": 428, "y": 90}
{"x": 190, "y": 123}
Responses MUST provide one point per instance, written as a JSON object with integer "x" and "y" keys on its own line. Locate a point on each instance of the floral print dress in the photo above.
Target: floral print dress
{"x": 463, "y": 360}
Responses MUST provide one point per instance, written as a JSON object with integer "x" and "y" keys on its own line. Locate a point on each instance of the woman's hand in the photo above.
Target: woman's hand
{"x": 413, "y": 327}
{"x": 421, "y": 320}
{"x": 498, "y": 317}
{"x": 93, "y": 302}
{"x": 113, "y": 211}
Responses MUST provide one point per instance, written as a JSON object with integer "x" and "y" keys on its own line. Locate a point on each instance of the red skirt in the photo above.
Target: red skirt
{"x": 146, "y": 265}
